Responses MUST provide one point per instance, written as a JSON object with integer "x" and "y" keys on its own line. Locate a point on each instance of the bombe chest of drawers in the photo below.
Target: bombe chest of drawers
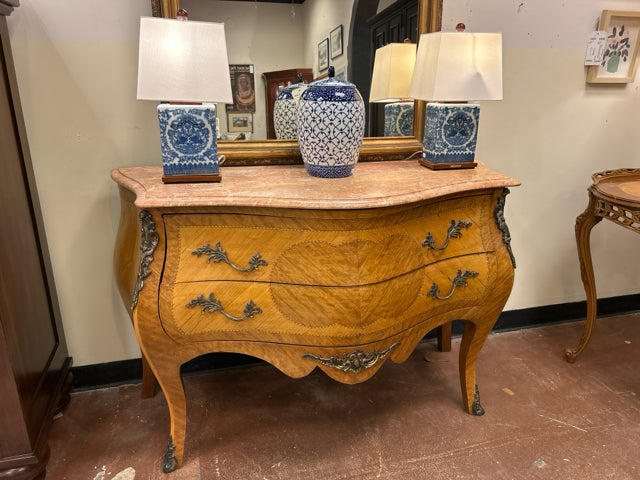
{"x": 305, "y": 272}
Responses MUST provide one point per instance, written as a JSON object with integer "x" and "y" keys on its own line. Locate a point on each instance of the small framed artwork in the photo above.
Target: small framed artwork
{"x": 323, "y": 55}
{"x": 336, "y": 41}
{"x": 242, "y": 89}
{"x": 239, "y": 122}
{"x": 619, "y": 62}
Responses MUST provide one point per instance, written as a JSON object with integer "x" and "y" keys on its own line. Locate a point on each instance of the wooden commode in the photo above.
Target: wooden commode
{"x": 306, "y": 272}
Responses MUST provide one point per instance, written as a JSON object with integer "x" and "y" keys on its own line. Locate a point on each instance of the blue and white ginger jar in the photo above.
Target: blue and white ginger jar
{"x": 285, "y": 110}
{"x": 330, "y": 127}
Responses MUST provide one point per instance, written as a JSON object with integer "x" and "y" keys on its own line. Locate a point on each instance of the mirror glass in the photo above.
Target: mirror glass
{"x": 271, "y": 39}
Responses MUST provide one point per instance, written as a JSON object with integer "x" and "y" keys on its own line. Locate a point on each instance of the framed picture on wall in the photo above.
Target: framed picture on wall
{"x": 323, "y": 55}
{"x": 336, "y": 41}
{"x": 239, "y": 122}
{"x": 619, "y": 63}
{"x": 242, "y": 88}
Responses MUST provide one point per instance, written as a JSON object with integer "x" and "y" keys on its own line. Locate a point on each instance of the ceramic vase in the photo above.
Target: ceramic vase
{"x": 285, "y": 110}
{"x": 330, "y": 127}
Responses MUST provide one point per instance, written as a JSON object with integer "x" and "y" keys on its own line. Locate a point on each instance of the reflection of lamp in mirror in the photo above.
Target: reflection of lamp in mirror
{"x": 392, "y": 70}
{"x": 185, "y": 62}
{"x": 455, "y": 67}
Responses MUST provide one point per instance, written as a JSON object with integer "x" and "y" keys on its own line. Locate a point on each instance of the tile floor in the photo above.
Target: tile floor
{"x": 545, "y": 418}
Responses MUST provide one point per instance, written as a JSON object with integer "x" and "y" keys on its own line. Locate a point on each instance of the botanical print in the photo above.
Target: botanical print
{"x": 621, "y": 39}
{"x": 617, "y": 49}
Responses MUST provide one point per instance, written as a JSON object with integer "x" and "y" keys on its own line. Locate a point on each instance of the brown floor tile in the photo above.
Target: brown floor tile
{"x": 545, "y": 418}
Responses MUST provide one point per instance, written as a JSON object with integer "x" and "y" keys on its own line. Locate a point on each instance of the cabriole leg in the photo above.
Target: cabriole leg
{"x": 584, "y": 223}
{"x": 473, "y": 338}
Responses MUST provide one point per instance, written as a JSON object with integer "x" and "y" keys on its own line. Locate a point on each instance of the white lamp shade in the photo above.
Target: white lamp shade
{"x": 392, "y": 70}
{"x": 458, "y": 66}
{"x": 183, "y": 61}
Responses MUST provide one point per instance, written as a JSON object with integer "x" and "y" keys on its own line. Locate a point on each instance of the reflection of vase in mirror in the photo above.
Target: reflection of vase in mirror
{"x": 330, "y": 127}
{"x": 285, "y": 110}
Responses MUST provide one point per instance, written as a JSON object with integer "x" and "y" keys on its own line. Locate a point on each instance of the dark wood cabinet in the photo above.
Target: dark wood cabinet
{"x": 272, "y": 81}
{"x": 34, "y": 363}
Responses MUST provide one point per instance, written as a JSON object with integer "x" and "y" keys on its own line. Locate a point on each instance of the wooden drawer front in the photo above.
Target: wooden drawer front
{"x": 317, "y": 251}
{"x": 450, "y": 233}
{"x": 324, "y": 315}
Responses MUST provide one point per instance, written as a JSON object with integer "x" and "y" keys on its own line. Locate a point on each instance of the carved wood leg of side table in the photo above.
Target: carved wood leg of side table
{"x": 584, "y": 223}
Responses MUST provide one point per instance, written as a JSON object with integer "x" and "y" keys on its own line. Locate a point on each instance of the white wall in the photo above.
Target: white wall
{"x": 76, "y": 68}
{"x": 552, "y": 131}
{"x": 322, "y": 16}
{"x": 76, "y": 64}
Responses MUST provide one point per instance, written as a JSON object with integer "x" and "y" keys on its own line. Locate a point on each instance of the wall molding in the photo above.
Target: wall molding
{"x": 124, "y": 372}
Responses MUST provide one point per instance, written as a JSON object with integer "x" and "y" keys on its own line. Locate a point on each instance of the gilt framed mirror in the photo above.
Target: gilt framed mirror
{"x": 262, "y": 151}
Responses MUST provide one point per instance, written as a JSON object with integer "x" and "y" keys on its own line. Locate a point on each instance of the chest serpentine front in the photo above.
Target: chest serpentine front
{"x": 323, "y": 281}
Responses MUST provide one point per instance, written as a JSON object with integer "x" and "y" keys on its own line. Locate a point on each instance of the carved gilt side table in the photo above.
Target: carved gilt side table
{"x": 614, "y": 195}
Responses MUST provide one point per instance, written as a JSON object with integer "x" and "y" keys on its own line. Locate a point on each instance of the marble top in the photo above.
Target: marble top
{"x": 372, "y": 185}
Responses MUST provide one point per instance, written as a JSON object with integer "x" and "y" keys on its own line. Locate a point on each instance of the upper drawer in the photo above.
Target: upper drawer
{"x": 312, "y": 251}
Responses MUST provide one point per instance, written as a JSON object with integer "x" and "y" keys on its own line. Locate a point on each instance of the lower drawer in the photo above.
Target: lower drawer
{"x": 319, "y": 315}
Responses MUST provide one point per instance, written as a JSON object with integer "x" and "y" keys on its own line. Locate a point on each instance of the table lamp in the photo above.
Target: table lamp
{"x": 451, "y": 69}
{"x": 392, "y": 70}
{"x": 185, "y": 63}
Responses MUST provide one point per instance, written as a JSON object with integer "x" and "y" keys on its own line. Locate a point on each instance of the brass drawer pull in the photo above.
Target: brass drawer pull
{"x": 452, "y": 232}
{"x": 212, "y": 305}
{"x": 354, "y": 361}
{"x": 460, "y": 280}
{"x": 217, "y": 254}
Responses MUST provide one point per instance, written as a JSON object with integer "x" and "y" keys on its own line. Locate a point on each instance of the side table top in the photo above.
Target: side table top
{"x": 372, "y": 185}
{"x": 621, "y": 185}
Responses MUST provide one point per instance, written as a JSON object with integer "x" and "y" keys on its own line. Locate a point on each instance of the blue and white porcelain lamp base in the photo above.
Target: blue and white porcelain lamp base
{"x": 188, "y": 143}
{"x": 450, "y": 135}
{"x": 398, "y": 119}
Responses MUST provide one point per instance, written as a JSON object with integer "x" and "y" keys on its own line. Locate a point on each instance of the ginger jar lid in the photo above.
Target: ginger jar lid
{"x": 331, "y": 89}
{"x": 292, "y": 91}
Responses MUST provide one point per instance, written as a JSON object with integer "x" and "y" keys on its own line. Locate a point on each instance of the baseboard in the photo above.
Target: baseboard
{"x": 130, "y": 371}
